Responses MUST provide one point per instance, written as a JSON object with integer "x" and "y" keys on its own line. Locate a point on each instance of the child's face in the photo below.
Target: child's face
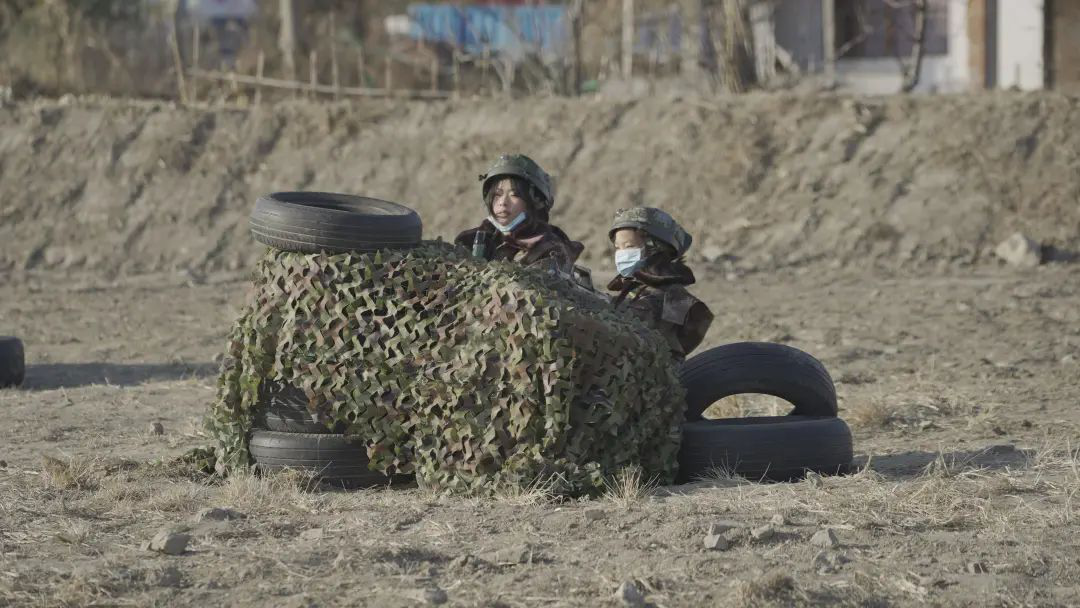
{"x": 506, "y": 203}
{"x": 629, "y": 238}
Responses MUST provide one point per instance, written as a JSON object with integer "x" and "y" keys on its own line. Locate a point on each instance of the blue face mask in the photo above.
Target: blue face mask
{"x": 509, "y": 227}
{"x": 628, "y": 261}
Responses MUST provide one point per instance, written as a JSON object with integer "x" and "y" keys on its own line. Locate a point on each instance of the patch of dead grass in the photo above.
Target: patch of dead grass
{"x": 870, "y": 414}
{"x": 628, "y": 487}
{"x": 768, "y": 589}
{"x": 722, "y": 476}
{"x": 73, "y": 531}
{"x": 541, "y": 491}
{"x": 283, "y": 492}
{"x": 70, "y": 473}
{"x": 748, "y": 404}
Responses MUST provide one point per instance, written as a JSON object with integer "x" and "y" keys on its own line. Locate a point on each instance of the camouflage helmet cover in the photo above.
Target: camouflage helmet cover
{"x": 654, "y": 222}
{"x": 519, "y": 165}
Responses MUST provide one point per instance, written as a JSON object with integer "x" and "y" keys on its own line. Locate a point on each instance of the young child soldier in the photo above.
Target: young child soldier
{"x": 518, "y": 196}
{"x": 653, "y": 275}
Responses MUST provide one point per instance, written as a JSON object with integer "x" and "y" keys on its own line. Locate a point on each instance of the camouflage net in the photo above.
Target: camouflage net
{"x": 471, "y": 375}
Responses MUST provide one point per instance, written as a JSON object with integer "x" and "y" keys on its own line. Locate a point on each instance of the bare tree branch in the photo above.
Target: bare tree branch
{"x": 913, "y": 69}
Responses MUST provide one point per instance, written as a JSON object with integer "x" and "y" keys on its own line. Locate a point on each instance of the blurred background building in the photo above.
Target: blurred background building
{"x": 537, "y": 47}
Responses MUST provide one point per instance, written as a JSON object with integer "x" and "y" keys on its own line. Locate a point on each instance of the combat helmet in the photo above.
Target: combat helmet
{"x": 654, "y": 222}
{"x": 519, "y": 165}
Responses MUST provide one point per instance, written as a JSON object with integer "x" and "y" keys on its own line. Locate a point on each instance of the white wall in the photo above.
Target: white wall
{"x": 1020, "y": 44}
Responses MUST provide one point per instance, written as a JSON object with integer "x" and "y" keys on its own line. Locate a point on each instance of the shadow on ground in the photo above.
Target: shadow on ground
{"x": 905, "y": 465}
{"x": 71, "y": 375}
{"x": 910, "y": 464}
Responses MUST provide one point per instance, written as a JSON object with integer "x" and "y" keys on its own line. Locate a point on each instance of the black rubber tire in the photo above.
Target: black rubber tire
{"x": 12, "y": 362}
{"x": 776, "y": 448}
{"x": 310, "y": 222}
{"x": 283, "y": 408}
{"x": 334, "y": 458}
{"x": 758, "y": 367}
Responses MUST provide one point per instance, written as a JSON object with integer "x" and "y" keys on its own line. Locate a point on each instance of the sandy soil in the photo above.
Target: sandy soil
{"x": 961, "y": 390}
{"x": 860, "y": 230}
{"x": 763, "y": 181}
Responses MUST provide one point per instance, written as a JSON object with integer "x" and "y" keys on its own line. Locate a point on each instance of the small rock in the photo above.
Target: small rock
{"x": 828, "y": 562}
{"x": 460, "y": 562}
{"x": 932, "y": 581}
{"x": 156, "y": 428}
{"x": 169, "y": 577}
{"x": 434, "y": 596}
{"x": 169, "y": 543}
{"x": 3, "y": 464}
{"x": 720, "y": 527}
{"x": 762, "y": 533}
{"x": 977, "y": 568}
{"x": 313, "y": 534}
{"x": 514, "y": 554}
{"x": 594, "y": 514}
{"x": 54, "y": 256}
{"x": 825, "y": 538}
{"x": 221, "y": 514}
{"x": 712, "y": 253}
{"x": 778, "y": 520}
{"x": 1018, "y": 250}
{"x": 715, "y": 542}
{"x": 629, "y": 594}
{"x": 1068, "y": 360}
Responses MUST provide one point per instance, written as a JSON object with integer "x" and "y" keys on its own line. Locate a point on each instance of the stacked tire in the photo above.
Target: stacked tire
{"x": 775, "y": 448}
{"x": 287, "y": 433}
{"x": 12, "y": 362}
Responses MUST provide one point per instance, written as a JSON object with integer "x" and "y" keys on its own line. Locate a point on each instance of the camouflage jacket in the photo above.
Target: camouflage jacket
{"x": 664, "y": 302}
{"x": 533, "y": 244}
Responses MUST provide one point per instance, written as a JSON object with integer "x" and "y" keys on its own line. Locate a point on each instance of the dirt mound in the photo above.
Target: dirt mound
{"x": 761, "y": 180}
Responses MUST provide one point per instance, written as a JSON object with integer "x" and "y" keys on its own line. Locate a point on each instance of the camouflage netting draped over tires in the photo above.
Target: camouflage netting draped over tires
{"x": 472, "y": 375}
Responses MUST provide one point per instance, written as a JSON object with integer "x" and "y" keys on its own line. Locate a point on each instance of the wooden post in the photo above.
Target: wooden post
{"x": 457, "y": 73}
{"x": 484, "y": 67}
{"x": 763, "y": 30}
{"x": 434, "y": 72}
{"x": 690, "y": 53}
{"x": 335, "y": 77}
{"x": 313, "y": 69}
{"x": 913, "y": 70}
{"x": 287, "y": 38}
{"x": 178, "y": 59}
{"x": 828, "y": 39}
{"x": 196, "y": 36}
{"x": 361, "y": 69}
{"x": 575, "y": 19}
{"x": 389, "y": 72}
{"x": 259, "y": 66}
{"x": 628, "y": 39}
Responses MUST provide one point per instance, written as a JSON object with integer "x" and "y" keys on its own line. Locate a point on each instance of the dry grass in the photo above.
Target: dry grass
{"x": 71, "y": 473}
{"x": 721, "y": 476}
{"x": 284, "y": 492}
{"x": 752, "y": 404}
{"x": 629, "y": 487}
{"x": 871, "y": 414}
{"x": 771, "y": 588}
{"x": 541, "y": 491}
{"x": 73, "y": 531}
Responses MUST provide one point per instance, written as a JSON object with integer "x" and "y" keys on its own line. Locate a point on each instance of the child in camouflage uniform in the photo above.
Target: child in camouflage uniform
{"x": 518, "y": 195}
{"x": 653, "y": 275}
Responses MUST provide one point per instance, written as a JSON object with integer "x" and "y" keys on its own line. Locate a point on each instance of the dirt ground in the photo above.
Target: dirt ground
{"x": 961, "y": 391}
{"x": 858, "y": 230}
